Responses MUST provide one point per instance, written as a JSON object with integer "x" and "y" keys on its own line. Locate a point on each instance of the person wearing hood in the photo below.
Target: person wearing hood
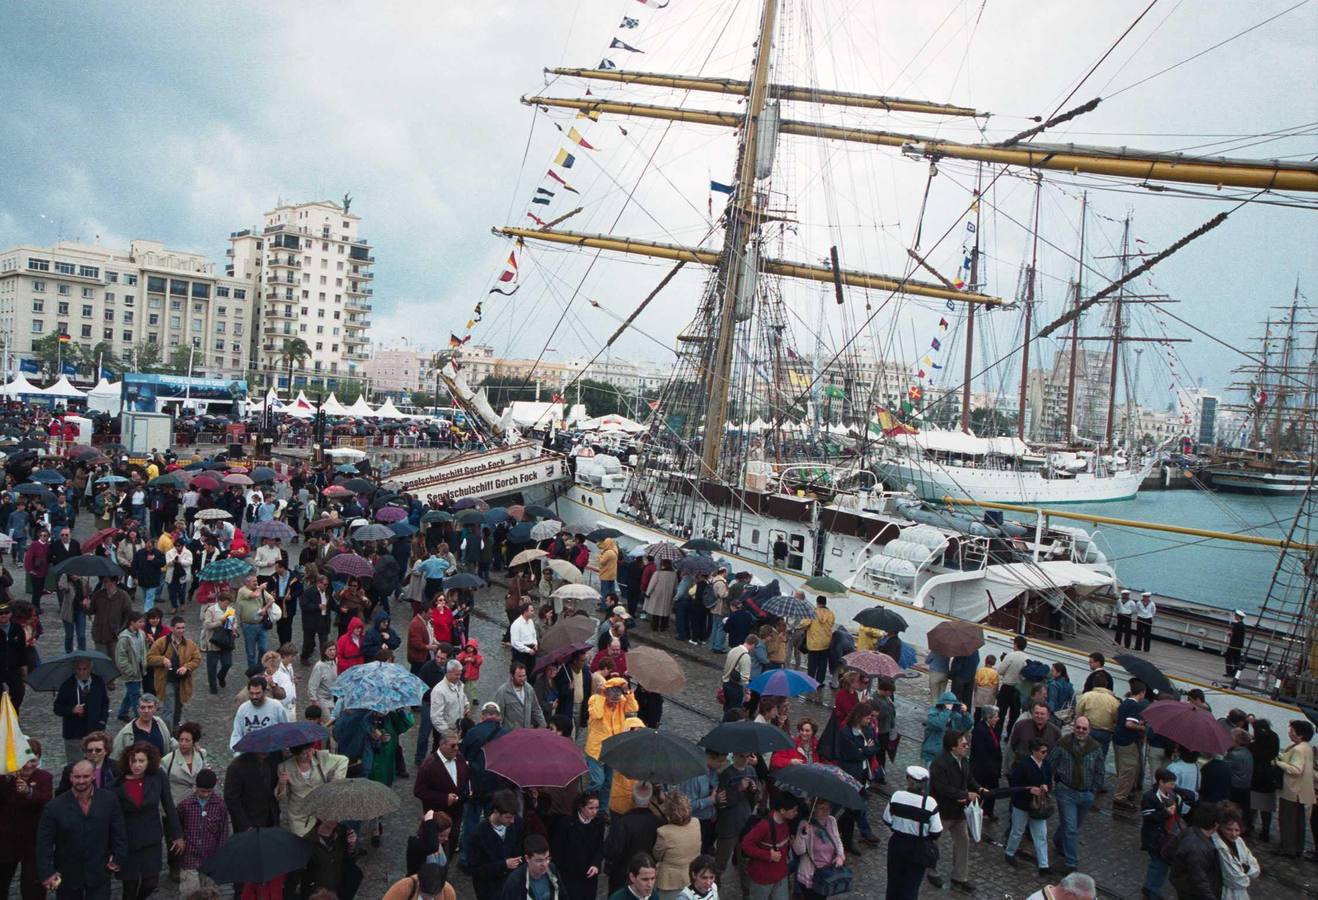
{"x": 608, "y": 567}
{"x": 606, "y": 715}
{"x": 350, "y": 646}
{"x": 379, "y": 635}
{"x": 948, "y": 714}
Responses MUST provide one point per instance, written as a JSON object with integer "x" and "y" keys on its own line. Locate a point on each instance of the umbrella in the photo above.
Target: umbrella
{"x": 569, "y": 630}
{"x": 819, "y": 781}
{"x": 576, "y": 592}
{"x": 14, "y": 748}
{"x": 32, "y": 489}
{"x": 378, "y": 686}
{"x": 214, "y": 465}
{"x": 696, "y": 544}
{"x": 882, "y": 618}
{"x": 346, "y": 469}
{"x": 600, "y": 534}
{"x": 543, "y": 531}
{"x": 746, "y": 737}
{"x": 237, "y": 478}
{"x": 955, "y": 638}
{"x": 111, "y": 479}
{"x": 403, "y": 529}
{"x": 352, "y": 565}
{"x": 1188, "y": 725}
{"x": 527, "y": 556}
{"x": 436, "y": 515}
{"x": 520, "y": 534}
{"x": 540, "y": 512}
{"x": 281, "y": 736}
{"x": 1147, "y": 672}
{"x": 873, "y": 663}
{"x": 89, "y": 565}
{"x": 358, "y": 485}
{"x": 206, "y": 483}
{"x": 559, "y": 655}
{"x": 776, "y": 682}
{"x": 829, "y": 587}
{"x": 471, "y": 517}
{"x": 325, "y": 524}
{"x": 100, "y": 537}
{"x": 58, "y": 669}
{"x": 786, "y": 607}
{"x": 531, "y": 758}
{"x": 337, "y": 490}
{"x": 280, "y": 531}
{"x": 236, "y": 469}
{"x": 226, "y": 569}
{"x": 662, "y": 550}
{"x": 390, "y": 514}
{"x": 655, "y": 670}
{"x": 516, "y": 511}
{"x": 658, "y": 757}
{"x": 346, "y": 453}
{"x": 256, "y": 856}
{"x": 464, "y": 581}
{"x": 47, "y": 476}
{"x": 214, "y": 514}
{"x": 262, "y": 474}
{"x": 565, "y": 570}
{"x": 351, "y": 799}
{"x": 169, "y": 479}
{"x": 495, "y": 515}
{"x": 696, "y": 565}
{"x": 373, "y": 532}
{"x": 1034, "y": 671}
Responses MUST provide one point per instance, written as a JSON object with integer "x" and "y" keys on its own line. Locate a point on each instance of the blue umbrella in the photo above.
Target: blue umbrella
{"x": 520, "y": 534}
{"x": 281, "y": 736}
{"x": 379, "y": 687}
{"x": 404, "y": 529}
{"x": 111, "y": 479}
{"x": 783, "y": 683}
{"x": 496, "y": 514}
{"x": 463, "y": 581}
{"x": 696, "y": 565}
{"x": 346, "y": 469}
{"x": 47, "y": 476}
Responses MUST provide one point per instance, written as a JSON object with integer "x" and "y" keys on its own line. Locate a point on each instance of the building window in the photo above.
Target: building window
{"x": 320, "y": 329}
{"x": 62, "y": 308}
{"x": 175, "y": 322}
{"x": 89, "y": 271}
{"x": 221, "y": 291}
{"x": 155, "y": 284}
{"x": 88, "y": 293}
{"x": 128, "y": 299}
{"x": 107, "y": 334}
{"x": 201, "y": 289}
{"x": 239, "y": 294}
{"x": 128, "y": 316}
{"x": 173, "y": 340}
{"x": 302, "y": 329}
{"x": 38, "y": 265}
{"x": 86, "y": 310}
{"x": 109, "y": 315}
{"x": 38, "y": 326}
{"x": 219, "y": 345}
{"x": 319, "y": 345}
{"x": 334, "y": 348}
{"x": 65, "y": 268}
{"x": 323, "y": 280}
{"x": 86, "y": 331}
{"x": 219, "y": 328}
{"x": 197, "y": 307}
{"x": 128, "y": 337}
{"x": 177, "y": 287}
{"x": 235, "y": 347}
{"x": 153, "y": 338}
{"x": 109, "y": 297}
{"x": 222, "y": 310}
{"x": 39, "y": 286}
{"x": 63, "y": 289}
{"x": 176, "y": 304}
{"x": 237, "y": 327}
{"x": 112, "y": 277}
{"x": 196, "y": 342}
{"x": 155, "y": 302}
{"x": 38, "y": 305}
{"x": 196, "y": 324}
{"x": 337, "y": 313}
{"x": 152, "y": 319}
{"x": 320, "y": 313}
{"x": 131, "y": 279}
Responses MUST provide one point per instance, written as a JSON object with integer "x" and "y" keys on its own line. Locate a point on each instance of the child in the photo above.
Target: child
{"x": 316, "y": 716}
{"x": 702, "y": 886}
{"x": 205, "y": 820}
{"x": 471, "y": 660}
{"x": 987, "y": 680}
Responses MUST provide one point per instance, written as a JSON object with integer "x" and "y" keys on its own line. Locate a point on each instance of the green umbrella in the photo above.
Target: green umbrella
{"x": 226, "y": 569}
{"x": 436, "y": 515}
{"x": 822, "y": 584}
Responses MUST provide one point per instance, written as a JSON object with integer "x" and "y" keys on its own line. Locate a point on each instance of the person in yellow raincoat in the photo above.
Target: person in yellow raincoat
{"x": 606, "y": 715}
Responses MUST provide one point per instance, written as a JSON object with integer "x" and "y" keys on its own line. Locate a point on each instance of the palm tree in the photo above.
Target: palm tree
{"x": 293, "y": 352}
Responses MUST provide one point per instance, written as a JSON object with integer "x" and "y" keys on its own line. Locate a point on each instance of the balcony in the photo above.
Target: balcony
{"x": 362, "y": 274}
{"x": 360, "y": 257}
{"x": 352, "y": 305}
{"x": 286, "y": 262}
{"x": 275, "y": 329}
{"x": 277, "y": 312}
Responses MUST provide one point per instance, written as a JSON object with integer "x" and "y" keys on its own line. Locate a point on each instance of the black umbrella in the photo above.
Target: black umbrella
{"x": 33, "y": 489}
{"x": 262, "y": 474}
{"x": 540, "y": 512}
{"x": 658, "y": 757}
{"x": 1148, "y": 673}
{"x": 746, "y": 737}
{"x": 820, "y": 782}
{"x": 58, "y": 669}
{"x": 701, "y": 544}
{"x": 600, "y": 534}
{"x": 696, "y": 565}
{"x": 357, "y": 485}
{"x": 463, "y": 581}
{"x": 281, "y": 736}
{"x": 256, "y": 856}
{"x": 471, "y": 517}
{"x": 88, "y": 565}
{"x": 882, "y": 618}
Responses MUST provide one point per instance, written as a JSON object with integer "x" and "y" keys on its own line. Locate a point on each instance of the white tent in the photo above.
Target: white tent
{"x": 106, "y": 398}
{"x": 20, "y": 387}
{"x": 611, "y": 423}
{"x": 332, "y": 407}
{"x": 271, "y": 402}
{"x": 387, "y": 410}
{"x": 534, "y": 413}
{"x": 302, "y": 402}
{"x": 361, "y": 408}
{"x": 63, "y": 389}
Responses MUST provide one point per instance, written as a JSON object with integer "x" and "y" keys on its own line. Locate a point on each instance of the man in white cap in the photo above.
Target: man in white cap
{"x": 1145, "y": 610}
{"x": 1125, "y": 613}
{"x": 913, "y": 817}
{"x": 1235, "y": 644}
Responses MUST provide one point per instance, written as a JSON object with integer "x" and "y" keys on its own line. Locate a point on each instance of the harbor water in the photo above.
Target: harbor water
{"x": 1223, "y": 574}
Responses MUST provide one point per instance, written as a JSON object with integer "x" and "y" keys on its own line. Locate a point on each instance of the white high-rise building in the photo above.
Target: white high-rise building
{"x": 314, "y": 275}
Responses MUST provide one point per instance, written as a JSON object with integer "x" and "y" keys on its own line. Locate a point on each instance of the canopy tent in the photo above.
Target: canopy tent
{"x": 21, "y": 387}
{"x": 332, "y": 407}
{"x": 64, "y": 389}
{"x": 271, "y": 401}
{"x": 361, "y": 408}
{"x": 106, "y": 398}
{"x": 611, "y": 423}
{"x": 301, "y": 402}
{"x": 534, "y": 413}
{"x": 940, "y": 441}
{"x": 387, "y": 410}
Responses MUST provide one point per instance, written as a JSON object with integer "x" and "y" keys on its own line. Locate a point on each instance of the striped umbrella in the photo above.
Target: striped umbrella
{"x": 352, "y": 565}
{"x": 226, "y": 569}
{"x": 664, "y": 550}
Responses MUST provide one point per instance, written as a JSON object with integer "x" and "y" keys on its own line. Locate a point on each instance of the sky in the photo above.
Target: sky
{"x": 184, "y": 122}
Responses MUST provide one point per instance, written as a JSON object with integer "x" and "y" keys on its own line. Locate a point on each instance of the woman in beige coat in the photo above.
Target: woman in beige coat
{"x": 659, "y": 598}
{"x": 677, "y": 843}
{"x": 1297, "y": 792}
{"x": 299, "y": 775}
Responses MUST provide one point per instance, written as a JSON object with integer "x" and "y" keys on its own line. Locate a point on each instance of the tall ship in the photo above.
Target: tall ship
{"x": 826, "y": 489}
{"x": 1274, "y": 451}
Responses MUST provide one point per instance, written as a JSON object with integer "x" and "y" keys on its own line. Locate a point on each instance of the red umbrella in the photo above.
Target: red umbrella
{"x": 1193, "y": 727}
{"x": 530, "y": 757}
{"x": 873, "y": 663}
{"x": 206, "y": 483}
{"x": 955, "y": 638}
{"x": 99, "y": 537}
{"x": 337, "y": 490}
{"x": 352, "y": 565}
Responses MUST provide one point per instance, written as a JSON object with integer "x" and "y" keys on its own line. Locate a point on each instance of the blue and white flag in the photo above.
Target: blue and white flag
{"x": 629, "y": 22}
{"x": 616, "y": 44}
{"x": 607, "y": 64}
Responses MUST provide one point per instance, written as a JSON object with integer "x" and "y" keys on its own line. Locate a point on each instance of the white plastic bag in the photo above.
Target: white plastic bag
{"x": 975, "y": 820}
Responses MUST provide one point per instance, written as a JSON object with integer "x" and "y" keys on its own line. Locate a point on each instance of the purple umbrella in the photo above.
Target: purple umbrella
{"x": 390, "y": 514}
{"x": 1188, "y": 725}
{"x": 559, "y": 655}
{"x": 352, "y": 565}
{"x": 272, "y": 529}
{"x": 535, "y": 758}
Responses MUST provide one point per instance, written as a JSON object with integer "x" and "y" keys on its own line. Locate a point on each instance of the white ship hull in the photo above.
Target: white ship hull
{"x": 934, "y": 481}
{"x": 1270, "y": 483}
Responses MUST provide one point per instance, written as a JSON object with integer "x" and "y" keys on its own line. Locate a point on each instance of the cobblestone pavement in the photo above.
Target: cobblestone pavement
{"x": 1110, "y": 850}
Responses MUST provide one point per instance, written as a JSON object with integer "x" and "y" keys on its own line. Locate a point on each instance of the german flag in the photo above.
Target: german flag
{"x": 64, "y": 337}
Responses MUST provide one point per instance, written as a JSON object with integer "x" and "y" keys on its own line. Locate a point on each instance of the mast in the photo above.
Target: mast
{"x": 743, "y": 223}
{"x": 1075, "y": 323}
{"x": 1116, "y": 338}
{"x": 1029, "y": 310}
{"x": 970, "y": 315}
{"x": 1279, "y": 405}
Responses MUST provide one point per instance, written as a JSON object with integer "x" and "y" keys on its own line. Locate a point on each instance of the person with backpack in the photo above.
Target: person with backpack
{"x": 1162, "y": 816}
{"x": 767, "y": 844}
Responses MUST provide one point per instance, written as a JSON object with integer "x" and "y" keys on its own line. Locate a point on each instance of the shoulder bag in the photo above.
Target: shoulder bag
{"x": 929, "y": 853}
{"x": 830, "y": 880}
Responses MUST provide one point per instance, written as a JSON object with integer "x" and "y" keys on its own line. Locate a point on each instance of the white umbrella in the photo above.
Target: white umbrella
{"x": 543, "y": 531}
{"x": 527, "y": 556}
{"x": 346, "y": 453}
{"x": 566, "y": 571}
{"x": 576, "y": 592}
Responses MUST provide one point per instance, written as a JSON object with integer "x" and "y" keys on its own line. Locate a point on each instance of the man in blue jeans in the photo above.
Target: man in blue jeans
{"x": 130, "y": 660}
{"x": 254, "y": 603}
{"x": 1078, "y": 771}
{"x": 1162, "y": 813}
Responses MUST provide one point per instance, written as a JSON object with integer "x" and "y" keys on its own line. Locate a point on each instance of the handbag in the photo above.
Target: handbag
{"x": 222, "y": 639}
{"x": 832, "y": 880}
{"x": 1042, "y": 806}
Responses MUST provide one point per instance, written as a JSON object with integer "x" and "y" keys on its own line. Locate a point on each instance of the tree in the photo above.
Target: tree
{"x": 181, "y": 360}
{"x": 144, "y": 355}
{"x": 294, "y": 351}
{"x": 50, "y": 352}
{"x": 100, "y": 356}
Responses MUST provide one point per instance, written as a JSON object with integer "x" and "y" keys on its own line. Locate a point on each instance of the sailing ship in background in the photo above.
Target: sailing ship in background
{"x": 1276, "y": 453}
{"x": 694, "y": 474}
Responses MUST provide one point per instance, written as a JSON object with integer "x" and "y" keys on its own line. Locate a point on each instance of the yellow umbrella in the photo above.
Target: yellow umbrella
{"x": 14, "y": 748}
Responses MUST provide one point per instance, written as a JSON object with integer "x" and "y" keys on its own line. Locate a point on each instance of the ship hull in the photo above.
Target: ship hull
{"x": 1273, "y": 484}
{"x": 934, "y": 481}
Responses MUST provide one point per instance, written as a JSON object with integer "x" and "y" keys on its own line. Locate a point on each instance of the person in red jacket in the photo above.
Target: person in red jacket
{"x": 36, "y": 562}
{"x": 350, "y": 646}
{"x": 767, "y": 845}
{"x": 23, "y": 796}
